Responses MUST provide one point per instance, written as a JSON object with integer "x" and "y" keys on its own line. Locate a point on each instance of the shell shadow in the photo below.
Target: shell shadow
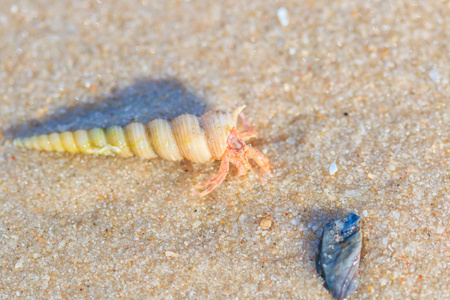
{"x": 145, "y": 100}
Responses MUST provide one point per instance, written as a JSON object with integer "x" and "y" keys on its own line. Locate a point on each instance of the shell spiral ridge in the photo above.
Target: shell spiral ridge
{"x": 198, "y": 139}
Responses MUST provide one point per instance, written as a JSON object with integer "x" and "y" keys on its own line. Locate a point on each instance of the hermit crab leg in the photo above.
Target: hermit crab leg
{"x": 216, "y": 180}
{"x": 242, "y": 166}
{"x": 262, "y": 161}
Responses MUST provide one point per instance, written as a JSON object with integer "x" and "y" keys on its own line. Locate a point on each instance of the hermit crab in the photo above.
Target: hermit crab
{"x": 212, "y": 136}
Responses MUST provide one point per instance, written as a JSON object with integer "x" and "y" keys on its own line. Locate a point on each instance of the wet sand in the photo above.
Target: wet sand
{"x": 364, "y": 86}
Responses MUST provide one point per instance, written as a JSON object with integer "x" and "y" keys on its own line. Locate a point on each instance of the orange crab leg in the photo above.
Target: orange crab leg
{"x": 216, "y": 180}
{"x": 242, "y": 165}
{"x": 262, "y": 161}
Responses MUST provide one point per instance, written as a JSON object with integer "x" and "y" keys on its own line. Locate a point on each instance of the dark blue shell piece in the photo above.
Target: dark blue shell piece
{"x": 339, "y": 253}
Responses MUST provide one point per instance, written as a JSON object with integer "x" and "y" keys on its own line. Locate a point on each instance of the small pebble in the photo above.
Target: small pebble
{"x": 197, "y": 224}
{"x": 434, "y": 74}
{"x": 333, "y": 168}
{"x": 265, "y": 224}
{"x": 283, "y": 16}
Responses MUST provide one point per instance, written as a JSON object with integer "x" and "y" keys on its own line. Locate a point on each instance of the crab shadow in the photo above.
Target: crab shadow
{"x": 145, "y": 100}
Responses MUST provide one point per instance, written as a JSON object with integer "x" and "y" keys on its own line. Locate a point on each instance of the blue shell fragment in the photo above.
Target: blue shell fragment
{"x": 337, "y": 261}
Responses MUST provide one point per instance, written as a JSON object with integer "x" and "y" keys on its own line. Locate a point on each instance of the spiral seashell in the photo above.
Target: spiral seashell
{"x": 213, "y": 136}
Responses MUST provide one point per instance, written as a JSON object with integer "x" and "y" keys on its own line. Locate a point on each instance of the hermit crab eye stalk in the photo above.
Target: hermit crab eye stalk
{"x": 212, "y": 136}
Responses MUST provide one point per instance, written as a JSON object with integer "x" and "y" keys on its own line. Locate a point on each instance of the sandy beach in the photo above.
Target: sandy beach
{"x": 363, "y": 85}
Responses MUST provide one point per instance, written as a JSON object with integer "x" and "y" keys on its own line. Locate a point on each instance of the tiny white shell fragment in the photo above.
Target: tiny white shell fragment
{"x": 171, "y": 254}
{"x": 283, "y": 16}
{"x": 333, "y": 168}
{"x": 197, "y": 224}
{"x": 435, "y": 76}
{"x": 18, "y": 265}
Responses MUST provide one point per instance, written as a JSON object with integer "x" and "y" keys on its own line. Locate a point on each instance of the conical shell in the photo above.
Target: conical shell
{"x": 198, "y": 139}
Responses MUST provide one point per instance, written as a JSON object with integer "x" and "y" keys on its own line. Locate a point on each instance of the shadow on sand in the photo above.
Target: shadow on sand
{"x": 143, "y": 101}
